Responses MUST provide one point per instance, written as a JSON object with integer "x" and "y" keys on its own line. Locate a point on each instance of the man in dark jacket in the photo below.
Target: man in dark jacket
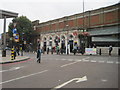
{"x": 38, "y": 55}
{"x": 110, "y": 49}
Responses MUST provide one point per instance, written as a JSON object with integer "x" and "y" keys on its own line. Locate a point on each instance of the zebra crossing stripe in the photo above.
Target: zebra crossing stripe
{"x": 101, "y": 61}
{"x": 117, "y": 62}
{"x": 63, "y": 59}
{"x": 85, "y": 60}
{"x": 93, "y": 61}
{"x": 109, "y": 61}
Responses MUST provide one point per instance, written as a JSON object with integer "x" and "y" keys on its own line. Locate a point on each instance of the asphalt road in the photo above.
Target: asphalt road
{"x": 62, "y": 71}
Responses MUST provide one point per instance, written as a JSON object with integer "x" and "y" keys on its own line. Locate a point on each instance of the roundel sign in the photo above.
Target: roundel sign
{"x": 16, "y": 38}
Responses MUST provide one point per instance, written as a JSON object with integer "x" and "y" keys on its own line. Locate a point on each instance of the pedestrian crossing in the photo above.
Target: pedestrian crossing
{"x": 86, "y": 60}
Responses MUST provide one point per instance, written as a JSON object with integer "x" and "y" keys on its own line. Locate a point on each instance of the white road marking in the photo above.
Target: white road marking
{"x": 23, "y": 77}
{"x": 104, "y": 80}
{"x": 117, "y": 62}
{"x": 70, "y": 59}
{"x": 79, "y": 60}
{"x": 93, "y": 61}
{"x": 73, "y": 62}
{"x": 68, "y": 64}
{"x": 85, "y": 60}
{"x": 12, "y": 69}
{"x": 76, "y": 59}
{"x": 74, "y": 79}
{"x": 63, "y": 59}
{"x": 109, "y": 61}
{"x": 101, "y": 61}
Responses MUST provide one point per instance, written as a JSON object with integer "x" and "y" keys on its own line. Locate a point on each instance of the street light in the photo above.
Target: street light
{"x": 67, "y": 44}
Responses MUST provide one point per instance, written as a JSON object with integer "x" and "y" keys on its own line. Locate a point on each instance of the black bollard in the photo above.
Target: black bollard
{"x": 100, "y": 51}
{"x": 119, "y": 52}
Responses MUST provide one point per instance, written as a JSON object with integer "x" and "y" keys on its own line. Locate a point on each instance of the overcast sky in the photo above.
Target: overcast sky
{"x": 45, "y": 10}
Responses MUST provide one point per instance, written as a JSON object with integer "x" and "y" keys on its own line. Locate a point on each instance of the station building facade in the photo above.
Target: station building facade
{"x": 100, "y": 27}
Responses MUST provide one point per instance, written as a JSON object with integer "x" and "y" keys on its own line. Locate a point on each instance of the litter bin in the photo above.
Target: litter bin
{"x": 4, "y": 53}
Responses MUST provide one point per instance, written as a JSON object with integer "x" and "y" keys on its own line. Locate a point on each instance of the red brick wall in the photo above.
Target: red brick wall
{"x": 71, "y": 23}
{"x": 61, "y": 25}
{"x": 80, "y": 21}
{"x": 110, "y": 17}
{"x": 53, "y": 27}
{"x": 94, "y": 20}
{"x": 47, "y": 28}
{"x": 86, "y": 21}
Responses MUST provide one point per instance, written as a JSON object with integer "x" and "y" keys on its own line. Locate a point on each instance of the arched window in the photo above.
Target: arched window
{"x": 50, "y": 38}
{"x": 71, "y": 36}
{"x": 44, "y": 38}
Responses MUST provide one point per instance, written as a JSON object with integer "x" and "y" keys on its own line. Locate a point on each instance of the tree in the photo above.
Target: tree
{"x": 24, "y": 28}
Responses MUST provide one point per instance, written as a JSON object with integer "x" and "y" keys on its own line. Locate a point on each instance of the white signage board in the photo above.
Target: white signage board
{"x": 90, "y": 51}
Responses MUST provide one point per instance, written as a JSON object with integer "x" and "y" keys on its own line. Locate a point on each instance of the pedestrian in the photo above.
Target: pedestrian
{"x": 48, "y": 50}
{"x": 21, "y": 51}
{"x": 52, "y": 50}
{"x": 110, "y": 49}
{"x": 39, "y": 55}
{"x": 75, "y": 49}
{"x": 94, "y": 45}
{"x": 57, "y": 49}
{"x": 14, "y": 52}
{"x": 17, "y": 50}
{"x": 61, "y": 50}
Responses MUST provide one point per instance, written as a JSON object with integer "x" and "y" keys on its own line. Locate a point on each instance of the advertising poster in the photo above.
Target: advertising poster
{"x": 90, "y": 51}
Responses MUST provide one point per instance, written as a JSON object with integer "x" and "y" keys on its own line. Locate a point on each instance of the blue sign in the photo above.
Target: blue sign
{"x": 16, "y": 37}
{"x": 14, "y": 31}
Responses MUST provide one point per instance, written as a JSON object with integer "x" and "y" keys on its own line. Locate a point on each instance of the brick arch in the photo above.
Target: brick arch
{"x": 63, "y": 35}
{"x": 43, "y": 39}
{"x": 50, "y": 36}
{"x": 56, "y": 36}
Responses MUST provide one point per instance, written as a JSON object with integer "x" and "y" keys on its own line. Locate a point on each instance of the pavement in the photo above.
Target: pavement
{"x": 7, "y": 59}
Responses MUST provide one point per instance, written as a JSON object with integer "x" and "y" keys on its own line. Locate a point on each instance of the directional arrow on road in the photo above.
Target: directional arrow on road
{"x": 74, "y": 79}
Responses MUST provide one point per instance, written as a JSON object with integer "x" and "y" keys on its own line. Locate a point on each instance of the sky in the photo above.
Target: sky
{"x": 45, "y": 10}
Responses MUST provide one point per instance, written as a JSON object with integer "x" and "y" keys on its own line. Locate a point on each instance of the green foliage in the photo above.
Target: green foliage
{"x": 24, "y": 28}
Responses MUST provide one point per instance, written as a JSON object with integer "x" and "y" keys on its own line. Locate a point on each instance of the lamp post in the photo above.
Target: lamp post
{"x": 4, "y": 39}
{"x": 23, "y": 40}
{"x": 83, "y": 37}
{"x": 67, "y": 44}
